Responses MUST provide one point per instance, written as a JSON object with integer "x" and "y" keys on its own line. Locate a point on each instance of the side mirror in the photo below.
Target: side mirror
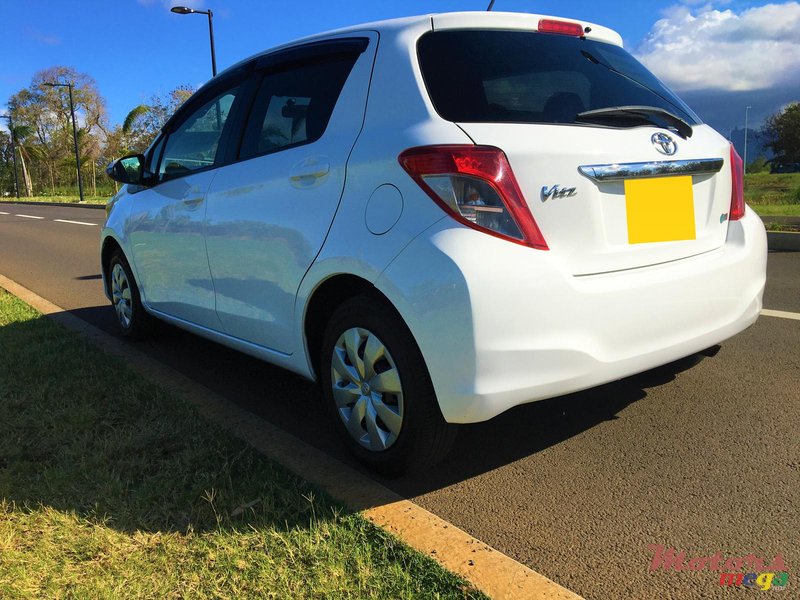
{"x": 128, "y": 169}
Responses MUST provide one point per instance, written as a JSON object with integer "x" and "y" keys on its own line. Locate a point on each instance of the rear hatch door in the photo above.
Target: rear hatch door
{"x": 608, "y": 192}
{"x": 607, "y": 200}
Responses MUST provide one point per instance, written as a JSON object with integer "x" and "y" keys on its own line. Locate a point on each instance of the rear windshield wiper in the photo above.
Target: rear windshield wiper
{"x": 647, "y": 114}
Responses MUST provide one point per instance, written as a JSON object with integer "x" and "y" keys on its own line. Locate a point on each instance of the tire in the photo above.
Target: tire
{"x": 133, "y": 320}
{"x": 382, "y": 401}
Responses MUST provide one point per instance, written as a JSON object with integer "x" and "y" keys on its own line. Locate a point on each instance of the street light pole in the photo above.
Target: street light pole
{"x": 74, "y": 133}
{"x": 185, "y": 10}
{"x": 746, "y": 110}
{"x": 13, "y": 153}
{"x": 211, "y": 39}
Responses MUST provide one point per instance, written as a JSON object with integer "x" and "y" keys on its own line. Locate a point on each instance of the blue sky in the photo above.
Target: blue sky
{"x": 720, "y": 55}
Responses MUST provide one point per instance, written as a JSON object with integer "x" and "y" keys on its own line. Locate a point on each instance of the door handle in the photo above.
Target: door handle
{"x": 308, "y": 171}
{"x": 193, "y": 201}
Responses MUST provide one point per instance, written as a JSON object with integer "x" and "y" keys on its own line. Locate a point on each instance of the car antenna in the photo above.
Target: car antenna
{"x": 491, "y": 4}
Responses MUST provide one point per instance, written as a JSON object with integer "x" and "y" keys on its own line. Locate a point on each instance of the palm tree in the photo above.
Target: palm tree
{"x": 129, "y": 124}
{"x": 19, "y": 133}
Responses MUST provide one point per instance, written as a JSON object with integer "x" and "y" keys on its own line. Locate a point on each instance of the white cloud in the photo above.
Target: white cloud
{"x": 708, "y": 48}
{"x": 44, "y": 38}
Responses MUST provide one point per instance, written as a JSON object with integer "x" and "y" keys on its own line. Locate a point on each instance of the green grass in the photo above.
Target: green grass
{"x": 773, "y": 195}
{"x": 777, "y": 210}
{"x": 778, "y": 226}
{"x": 69, "y": 199}
{"x": 765, "y": 189}
{"x": 111, "y": 487}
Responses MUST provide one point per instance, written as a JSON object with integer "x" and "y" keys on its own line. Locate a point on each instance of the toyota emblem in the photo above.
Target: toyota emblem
{"x": 664, "y": 143}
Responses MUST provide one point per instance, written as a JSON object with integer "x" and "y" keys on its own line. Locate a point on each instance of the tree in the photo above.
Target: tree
{"x": 45, "y": 113}
{"x": 6, "y": 165}
{"x": 21, "y": 134}
{"x": 782, "y": 132}
{"x": 145, "y": 121}
{"x": 759, "y": 165}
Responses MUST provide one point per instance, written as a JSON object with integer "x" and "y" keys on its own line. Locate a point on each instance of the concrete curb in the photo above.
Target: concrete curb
{"x": 785, "y": 241}
{"x": 67, "y": 204}
{"x": 491, "y": 571}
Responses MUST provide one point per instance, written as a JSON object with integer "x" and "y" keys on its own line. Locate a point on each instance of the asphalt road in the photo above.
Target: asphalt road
{"x": 703, "y": 457}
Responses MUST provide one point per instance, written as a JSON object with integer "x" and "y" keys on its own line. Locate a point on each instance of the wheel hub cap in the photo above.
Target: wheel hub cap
{"x": 366, "y": 389}
{"x": 121, "y": 295}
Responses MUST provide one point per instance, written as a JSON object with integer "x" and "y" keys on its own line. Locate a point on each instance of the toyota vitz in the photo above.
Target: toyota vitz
{"x": 438, "y": 218}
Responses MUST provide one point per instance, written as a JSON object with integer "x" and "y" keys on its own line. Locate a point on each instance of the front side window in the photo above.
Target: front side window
{"x": 194, "y": 144}
{"x": 154, "y": 154}
{"x": 293, "y": 105}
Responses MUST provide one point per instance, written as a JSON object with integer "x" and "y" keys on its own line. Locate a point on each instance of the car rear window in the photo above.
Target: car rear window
{"x": 530, "y": 77}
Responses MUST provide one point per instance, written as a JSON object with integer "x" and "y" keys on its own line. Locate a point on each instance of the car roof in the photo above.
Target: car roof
{"x": 474, "y": 19}
{"x": 445, "y": 21}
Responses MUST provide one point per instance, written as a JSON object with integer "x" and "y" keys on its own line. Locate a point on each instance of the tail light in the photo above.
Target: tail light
{"x": 737, "y": 186}
{"x": 475, "y": 186}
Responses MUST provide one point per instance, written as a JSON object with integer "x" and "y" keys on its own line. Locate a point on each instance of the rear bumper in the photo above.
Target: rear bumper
{"x": 501, "y": 325}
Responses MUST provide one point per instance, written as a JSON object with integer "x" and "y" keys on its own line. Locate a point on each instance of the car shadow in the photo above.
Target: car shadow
{"x": 531, "y": 428}
{"x": 294, "y": 404}
{"x": 82, "y": 437}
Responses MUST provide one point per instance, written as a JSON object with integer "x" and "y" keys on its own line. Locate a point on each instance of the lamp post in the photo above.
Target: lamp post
{"x": 74, "y": 132}
{"x": 13, "y": 152}
{"x": 185, "y": 10}
{"x": 746, "y": 110}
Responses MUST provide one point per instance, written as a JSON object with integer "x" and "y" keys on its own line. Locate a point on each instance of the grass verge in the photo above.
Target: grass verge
{"x": 777, "y": 210}
{"x": 772, "y": 189}
{"x": 110, "y": 487}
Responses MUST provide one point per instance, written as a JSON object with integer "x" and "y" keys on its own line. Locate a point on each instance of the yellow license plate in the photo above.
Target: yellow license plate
{"x": 660, "y": 209}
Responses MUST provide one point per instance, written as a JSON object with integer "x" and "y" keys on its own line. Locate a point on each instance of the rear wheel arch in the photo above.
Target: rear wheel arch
{"x": 324, "y": 301}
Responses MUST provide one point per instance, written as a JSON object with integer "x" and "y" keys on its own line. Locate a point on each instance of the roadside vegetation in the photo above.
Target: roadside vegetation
{"x": 773, "y": 195}
{"x": 37, "y": 147}
{"x": 111, "y": 487}
{"x": 68, "y": 198}
{"x": 772, "y": 189}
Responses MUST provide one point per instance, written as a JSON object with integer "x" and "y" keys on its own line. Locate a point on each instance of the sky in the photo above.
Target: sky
{"x": 719, "y": 55}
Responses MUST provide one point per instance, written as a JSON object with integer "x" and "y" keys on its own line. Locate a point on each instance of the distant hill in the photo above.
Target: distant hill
{"x": 725, "y": 112}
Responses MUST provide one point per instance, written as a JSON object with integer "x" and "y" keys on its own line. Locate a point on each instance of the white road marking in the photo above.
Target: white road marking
{"x": 28, "y": 217}
{"x": 783, "y": 314}
{"x": 74, "y": 222}
{"x": 3, "y": 213}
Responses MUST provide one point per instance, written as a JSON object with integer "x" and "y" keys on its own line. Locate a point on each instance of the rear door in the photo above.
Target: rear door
{"x": 608, "y": 193}
{"x": 269, "y": 213}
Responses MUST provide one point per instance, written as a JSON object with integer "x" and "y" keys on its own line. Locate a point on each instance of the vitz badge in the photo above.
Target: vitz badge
{"x": 557, "y": 192}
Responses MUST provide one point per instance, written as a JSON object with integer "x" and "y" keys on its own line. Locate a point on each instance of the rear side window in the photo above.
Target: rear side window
{"x": 293, "y": 105}
{"x": 528, "y": 77}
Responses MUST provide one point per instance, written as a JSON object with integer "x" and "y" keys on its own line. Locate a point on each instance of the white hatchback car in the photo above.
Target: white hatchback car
{"x": 438, "y": 218}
